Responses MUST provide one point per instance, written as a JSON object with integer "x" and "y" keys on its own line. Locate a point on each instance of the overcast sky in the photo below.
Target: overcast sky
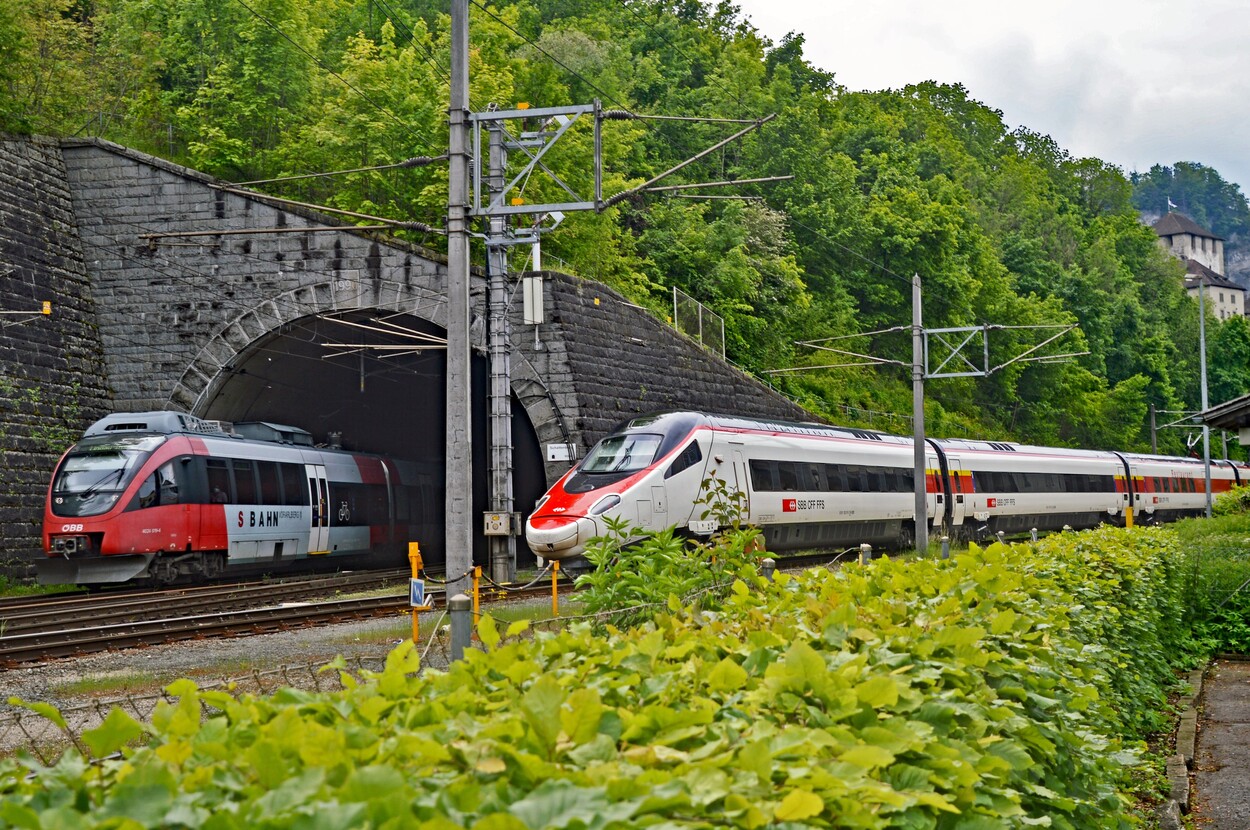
{"x": 1132, "y": 83}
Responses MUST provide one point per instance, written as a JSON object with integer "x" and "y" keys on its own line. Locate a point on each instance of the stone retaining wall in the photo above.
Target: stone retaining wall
{"x": 52, "y": 376}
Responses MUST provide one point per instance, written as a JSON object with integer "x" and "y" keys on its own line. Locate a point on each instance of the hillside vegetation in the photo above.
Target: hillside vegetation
{"x": 1004, "y": 227}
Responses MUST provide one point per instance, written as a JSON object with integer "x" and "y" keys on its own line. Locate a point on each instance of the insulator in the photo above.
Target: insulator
{"x": 420, "y": 161}
{"x": 616, "y": 115}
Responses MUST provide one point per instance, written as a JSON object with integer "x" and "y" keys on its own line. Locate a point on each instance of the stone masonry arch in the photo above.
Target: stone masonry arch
{"x": 208, "y": 369}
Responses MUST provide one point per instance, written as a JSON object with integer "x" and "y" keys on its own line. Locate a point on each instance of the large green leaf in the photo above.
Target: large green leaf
{"x": 116, "y": 731}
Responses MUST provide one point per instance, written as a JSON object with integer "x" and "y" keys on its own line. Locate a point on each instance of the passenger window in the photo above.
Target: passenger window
{"x": 218, "y": 481}
{"x": 168, "y": 484}
{"x": 159, "y": 488}
{"x": 244, "y": 481}
{"x": 294, "y": 485}
{"x": 690, "y": 456}
{"x": 788, "y": 476}
{"x": 762, "y": 479}
{"x": 270, "y": 493}
{"x": 835, "y": 478}
{"x": 147, "y": 492}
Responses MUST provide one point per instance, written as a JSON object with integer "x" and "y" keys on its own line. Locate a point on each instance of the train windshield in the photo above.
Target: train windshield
{"x": 94, "y": 473}
{"x": 623, "y": 453}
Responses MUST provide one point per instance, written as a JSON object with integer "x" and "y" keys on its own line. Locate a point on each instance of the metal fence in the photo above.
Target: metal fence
{"x": 698, "y": 322}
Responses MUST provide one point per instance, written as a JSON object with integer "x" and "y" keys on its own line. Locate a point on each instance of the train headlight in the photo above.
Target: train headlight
{"x": 70, "y": 545}
{"x": 605, "y": 504}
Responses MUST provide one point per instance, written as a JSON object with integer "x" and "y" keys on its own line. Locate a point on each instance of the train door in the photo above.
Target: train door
{"x": 1143, "y": 507}
{"x": 960, "y": 488}
{"x": 742, "y": 482}
{"x": 935, "y": 499}
{"x": 319, "y": 498}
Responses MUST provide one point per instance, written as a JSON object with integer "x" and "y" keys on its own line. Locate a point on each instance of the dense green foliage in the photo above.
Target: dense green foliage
{"x": 990, "y": 691}
{"x": 1217, "y": 553}
{"x": 1003, "y": 227}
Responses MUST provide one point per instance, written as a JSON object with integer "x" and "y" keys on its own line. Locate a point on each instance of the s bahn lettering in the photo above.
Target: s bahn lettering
{"x": 266, "y": 518}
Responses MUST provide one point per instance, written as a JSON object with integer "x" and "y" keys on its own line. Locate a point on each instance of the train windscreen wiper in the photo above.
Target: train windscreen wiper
{"x": 101, "y": 481}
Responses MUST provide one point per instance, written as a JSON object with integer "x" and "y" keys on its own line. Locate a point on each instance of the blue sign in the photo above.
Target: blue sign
{"x": 416, "y": 593}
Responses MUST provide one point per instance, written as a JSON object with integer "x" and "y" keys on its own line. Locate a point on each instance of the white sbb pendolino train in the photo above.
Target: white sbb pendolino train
{"x": 811, "y": 486}
{"x": 164, "y": 497}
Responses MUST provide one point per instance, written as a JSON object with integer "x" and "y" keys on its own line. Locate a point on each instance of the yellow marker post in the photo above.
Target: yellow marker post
{"x": 1128, "y": 516}
{"x": 416, "y": 588}
{"x": 477, "y": 591}
{"x": 555, "y": 593}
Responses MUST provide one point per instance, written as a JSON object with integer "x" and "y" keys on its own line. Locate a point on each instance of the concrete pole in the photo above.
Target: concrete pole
{"x": 502, "y": 548}
{"x": 459, "y": 507}
{"x": 1154, "y": 432}
{"x": 917, "y": 407}
{"x": 460, "y": 609}
{"x": 1202, "y": 367}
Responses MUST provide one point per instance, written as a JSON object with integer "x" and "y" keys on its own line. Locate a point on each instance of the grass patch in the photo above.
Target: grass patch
{"x": 112, "y": 683}
{"x": 12, "y": 588}
{"x": 390, "y": 632}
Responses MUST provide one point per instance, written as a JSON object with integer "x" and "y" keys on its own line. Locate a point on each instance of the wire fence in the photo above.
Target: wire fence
{"x": 1217, "y": 587}
{"x": 24, "y": 729}
{"x": 698, "y": 322}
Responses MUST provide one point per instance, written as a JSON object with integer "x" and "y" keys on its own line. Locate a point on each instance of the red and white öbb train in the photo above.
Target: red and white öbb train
{"x": 811, "y": 486}
{"x": 161, "y": 496}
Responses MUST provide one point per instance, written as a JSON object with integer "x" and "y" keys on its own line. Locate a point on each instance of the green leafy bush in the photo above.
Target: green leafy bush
{"x": 1232, "y": 502}
{"x": 1217, "y": 564}
{"x": 630, "y": 580}
{"x": 634, "y": 573}
{"x": 989, "y": 691}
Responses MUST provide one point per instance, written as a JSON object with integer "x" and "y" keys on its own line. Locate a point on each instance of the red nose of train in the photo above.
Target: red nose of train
{"x": 559, "y": 537}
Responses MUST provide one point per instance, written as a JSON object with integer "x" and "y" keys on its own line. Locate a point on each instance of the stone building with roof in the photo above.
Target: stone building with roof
{"x": 1203, "y": 255}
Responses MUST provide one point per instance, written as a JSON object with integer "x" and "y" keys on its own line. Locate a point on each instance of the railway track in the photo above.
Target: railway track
{"x": 36, "y": 614}
{"x": 32, "y": 631}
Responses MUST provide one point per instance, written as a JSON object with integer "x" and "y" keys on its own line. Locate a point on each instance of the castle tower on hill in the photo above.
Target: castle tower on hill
{"x": 1203, "y": 255}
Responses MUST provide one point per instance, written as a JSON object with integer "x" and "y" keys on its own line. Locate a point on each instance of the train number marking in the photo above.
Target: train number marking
{"x": 71, "y": 528}
{"x": 797, "y": 505}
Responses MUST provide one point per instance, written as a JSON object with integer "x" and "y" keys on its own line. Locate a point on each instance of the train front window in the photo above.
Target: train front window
{"x": 623, "y": 453}
{"x": 94, "y": 473}
{"x": 614, "y": 458}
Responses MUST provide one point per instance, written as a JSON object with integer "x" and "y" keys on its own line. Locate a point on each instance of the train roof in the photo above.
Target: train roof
{"x": 690, "y": 418}
{"x": 168, "y": 422}
{"x": 161, "y": 422}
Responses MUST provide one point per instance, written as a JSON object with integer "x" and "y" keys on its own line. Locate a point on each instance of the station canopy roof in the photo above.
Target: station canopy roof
{"x": 1231, "y": 415}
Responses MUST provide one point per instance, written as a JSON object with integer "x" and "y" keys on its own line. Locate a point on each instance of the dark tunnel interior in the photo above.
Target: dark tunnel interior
{"x": 374, "y": 382}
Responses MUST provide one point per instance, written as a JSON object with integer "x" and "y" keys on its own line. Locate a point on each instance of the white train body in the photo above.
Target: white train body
{"x": 811, "y": 486}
